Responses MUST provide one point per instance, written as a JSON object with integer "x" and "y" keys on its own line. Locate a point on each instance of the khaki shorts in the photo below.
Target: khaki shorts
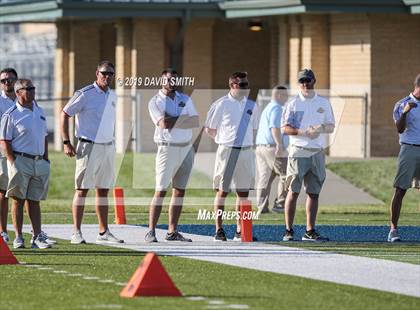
{"x": 4, "y": 178}
{"x": 234, "y": 169}
{"x": 28, "y": 178}
{"x": 173, "y": 165}
{"x": 305, "y": 168}
{"x": 408, "y": 167}
{"x": 95, "y": 166}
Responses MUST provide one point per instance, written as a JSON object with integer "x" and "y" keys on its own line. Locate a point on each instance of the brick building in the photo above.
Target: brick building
{"x": 366, "y": 52}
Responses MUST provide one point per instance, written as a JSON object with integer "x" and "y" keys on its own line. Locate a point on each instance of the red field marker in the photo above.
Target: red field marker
{"x": 246, "y": 221}
{"x": 6, "y": 256}
{"x": 119, "y": 206}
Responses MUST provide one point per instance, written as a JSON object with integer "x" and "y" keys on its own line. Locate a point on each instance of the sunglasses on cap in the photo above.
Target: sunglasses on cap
{"x": 107, "y": 73}
{"x": 29, "y": 88}
{"x": 305, "y": 80}
{"x": 9, "y": 80}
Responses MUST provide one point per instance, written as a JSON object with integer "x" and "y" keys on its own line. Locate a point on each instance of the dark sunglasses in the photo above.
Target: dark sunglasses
{"x": 29, "y": 88}
{"x": 242, "y": 84}
{"x": 10, "y": 81}
{"x": 305, "y": 80}
{"x": 107, "y": 73}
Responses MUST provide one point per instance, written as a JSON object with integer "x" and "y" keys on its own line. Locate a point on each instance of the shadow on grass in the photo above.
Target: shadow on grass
{"x": 53, "y": 252}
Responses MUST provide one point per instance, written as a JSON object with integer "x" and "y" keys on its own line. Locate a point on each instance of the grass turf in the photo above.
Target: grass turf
{"x": 217, "y": 283}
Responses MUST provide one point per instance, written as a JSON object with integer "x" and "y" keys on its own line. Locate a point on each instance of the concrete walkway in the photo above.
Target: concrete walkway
{"x": 383, "y": 275}
{"x": 336, "y": 190}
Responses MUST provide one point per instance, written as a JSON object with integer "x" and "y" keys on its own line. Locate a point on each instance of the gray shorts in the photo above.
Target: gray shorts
{"x": 4, "y": 179}
{"x": 173, "y": 165}
{"x": 408, "y": 169}
{"x": 28, "y": 178}
{"x": 308, "y": 170}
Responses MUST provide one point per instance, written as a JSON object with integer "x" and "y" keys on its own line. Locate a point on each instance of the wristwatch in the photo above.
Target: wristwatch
{"x": 66, "y": 142}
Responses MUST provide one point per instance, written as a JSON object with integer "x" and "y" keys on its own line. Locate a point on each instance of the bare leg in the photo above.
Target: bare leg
{"x": 290, "y": 209}
{"x": 17, "y": 215}
{"x": 219, "y": 204}
{"x": 34, "y": 212}
{"x": 396, "y": 204}
{"x": 102, "y": 208}
{"x": 78, "y": 208}
{"x": 156, "y": 208}
{"x": 175, "y": 208}
{"x": 4, "y": 210}
{"x": 311, "y": 210}
{"x": 240, "y": 196}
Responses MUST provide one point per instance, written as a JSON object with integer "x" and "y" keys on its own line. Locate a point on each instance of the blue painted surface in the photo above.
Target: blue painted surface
{"x": 339, "y": 233}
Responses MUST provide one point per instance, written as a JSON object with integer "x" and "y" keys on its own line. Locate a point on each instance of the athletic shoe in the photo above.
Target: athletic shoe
{"x": 77, "y": 238}
{"x": 220, "y": 235}
{"x": 288, "y": 235}
{"x": 312, "y": 235}
{"x": 19, "y": 243}
{"x": 262, "y": 210}
{"x": 107, "y": 237}
{"x": 40, "y": 242}
{"x": 5, "y": 236}
{"x": 277, "y": 209}
{"x": 150, "y": 237}
{"x": 45, "y": 237}
{"x": 176, "y": 236}
{"x": 237, "y": 236}
{"x": 393, "y": 236}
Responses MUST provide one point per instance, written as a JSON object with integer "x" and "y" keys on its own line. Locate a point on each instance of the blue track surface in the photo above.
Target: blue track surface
{"x": 339, "y": 233}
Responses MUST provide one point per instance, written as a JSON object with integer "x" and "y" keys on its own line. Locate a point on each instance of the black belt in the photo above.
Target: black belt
{"x": 418, "y": 145}
{"x": 240, "y": 147}
{"x": 93, "y": 142}
{"x": 35, "y": 157}
{"x": 267, "y": 145}
{"x": 173, "y": 144}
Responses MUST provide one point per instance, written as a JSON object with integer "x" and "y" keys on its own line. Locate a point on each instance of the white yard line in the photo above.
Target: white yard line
{"x": 383, "y": 275}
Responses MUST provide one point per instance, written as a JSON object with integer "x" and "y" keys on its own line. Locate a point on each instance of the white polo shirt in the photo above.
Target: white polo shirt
{"x": 180, "y": 105}
{"x": 234, "y": 121}
{"x": 25, "y": 128}
{"x": 94, "y": 112}
{"x": 5, "y": 103}
{"x": 301, "y": 113}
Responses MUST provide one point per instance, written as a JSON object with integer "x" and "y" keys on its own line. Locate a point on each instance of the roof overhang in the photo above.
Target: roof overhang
{"x": 414, "y": 6}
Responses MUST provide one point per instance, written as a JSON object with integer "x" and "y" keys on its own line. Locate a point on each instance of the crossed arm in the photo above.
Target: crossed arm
{"x": 182, "y": 122}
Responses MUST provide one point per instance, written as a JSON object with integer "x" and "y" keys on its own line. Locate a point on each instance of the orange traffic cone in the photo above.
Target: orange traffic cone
{"x": 6, "y": 256}
{"x": 150, "y": 279}
{"x": 246, "y": 221}
{"x": 119, "y": 206}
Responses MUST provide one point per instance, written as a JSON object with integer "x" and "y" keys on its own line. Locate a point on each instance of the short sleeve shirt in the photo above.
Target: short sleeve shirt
{"x": 160, "y": 106}
{"x": 302, "y": 113}
{"x": 94, "y": 111}
{"x": 234, "y": 120}
{"x": 25, "y": 128}
{"x": 411, "y": 134}
{"x": 270, "y": 118}
{"x": 5, "y": 103}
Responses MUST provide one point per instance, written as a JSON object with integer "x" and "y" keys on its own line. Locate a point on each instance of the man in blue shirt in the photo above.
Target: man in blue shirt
{"x": 407, "y": 120}
{"x": 271, "y": 152}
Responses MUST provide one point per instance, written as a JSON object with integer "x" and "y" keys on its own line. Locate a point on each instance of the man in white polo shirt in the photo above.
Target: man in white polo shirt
{"x": 407, "y": 120}
{"x": 307, "y": 119}
{"x": 23, "y": 133}
{"x": 232, "y": 121}
{"x": 94, "y": 109}
{"x": 8, "y": 77}
{"x": 174, "y": 115}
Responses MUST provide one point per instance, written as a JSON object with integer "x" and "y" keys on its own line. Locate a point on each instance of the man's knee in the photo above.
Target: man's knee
{"x": 399, "y": 192}
{"x": 81, "y": 193}
{"x": 313, "y": 196}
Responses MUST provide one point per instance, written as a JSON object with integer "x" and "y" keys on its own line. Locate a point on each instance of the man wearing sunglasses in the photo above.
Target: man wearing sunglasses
{"x": 8, "y": 77}
{"x": 232, "y": 122}
{"x": 23, "y": 136}
{"x": 307, "y": 119}
{"x": 94, "y": 108}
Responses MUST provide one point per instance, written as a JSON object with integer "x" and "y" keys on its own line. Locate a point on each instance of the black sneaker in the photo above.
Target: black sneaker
{"x": 237, "y": 236}
{"x": 176, "y": 236}
{"x": 220, "y": 235}
{"x": 288, "y": 235}
{"x": 312, "y": 235}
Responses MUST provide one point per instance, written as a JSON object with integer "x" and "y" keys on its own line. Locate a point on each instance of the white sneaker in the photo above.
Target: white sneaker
{"x": 18, "y": 243}
{"x": 5, "y": 236}
{"x": 39, "y": 242}
{"x": 77, "y": 238}
{"x": 393, "y": 236}
{"x": 45, "y": 237}
{"x": 107, "y": 237}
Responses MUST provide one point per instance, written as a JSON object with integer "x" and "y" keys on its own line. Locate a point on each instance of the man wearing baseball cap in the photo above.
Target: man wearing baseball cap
{"x": 307, "y": 119}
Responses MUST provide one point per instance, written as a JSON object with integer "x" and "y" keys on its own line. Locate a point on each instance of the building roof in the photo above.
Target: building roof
{"x": 51, "y": 10}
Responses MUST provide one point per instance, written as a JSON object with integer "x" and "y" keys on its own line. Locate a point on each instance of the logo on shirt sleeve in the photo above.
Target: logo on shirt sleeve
{"x": 43, "y": 118}
{"x": 320, "y": 110}
{"x": 181, "y": 104}
{"x": 249, "y": 112}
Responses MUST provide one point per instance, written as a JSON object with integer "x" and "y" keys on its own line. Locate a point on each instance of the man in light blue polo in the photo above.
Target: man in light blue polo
{"x": 407, "y": 120}
{"x": 271, "y": 152}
